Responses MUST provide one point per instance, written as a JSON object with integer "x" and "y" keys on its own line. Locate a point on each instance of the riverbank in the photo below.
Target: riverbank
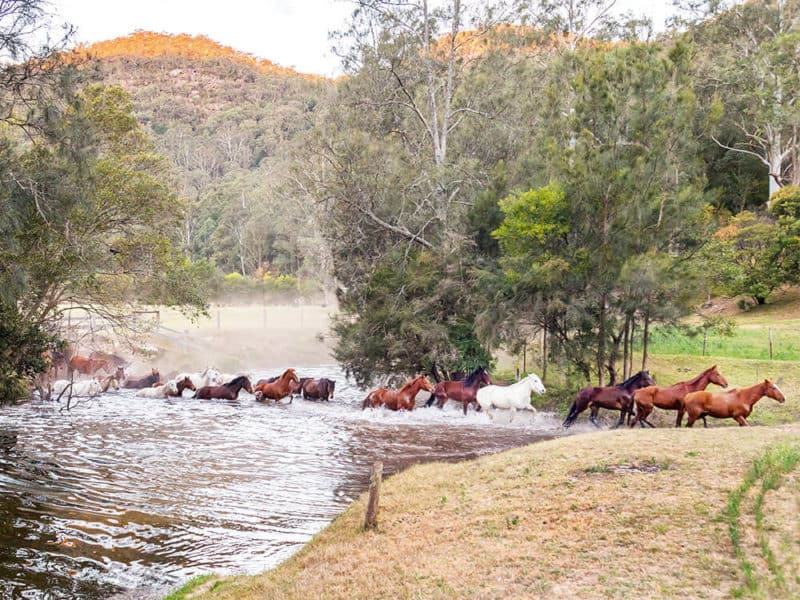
{"x": 616, "y": 513}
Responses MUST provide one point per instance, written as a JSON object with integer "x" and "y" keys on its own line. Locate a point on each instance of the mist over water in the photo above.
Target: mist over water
{"x": 131, "y": 496}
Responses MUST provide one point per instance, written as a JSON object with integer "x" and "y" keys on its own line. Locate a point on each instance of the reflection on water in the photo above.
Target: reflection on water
{"x": 126, "y": 494}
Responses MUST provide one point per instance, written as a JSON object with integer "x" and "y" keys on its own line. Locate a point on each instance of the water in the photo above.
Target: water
{"x": 132, "y": 496}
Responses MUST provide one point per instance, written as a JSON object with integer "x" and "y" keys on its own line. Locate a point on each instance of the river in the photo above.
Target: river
{"x": 130, "y": 496}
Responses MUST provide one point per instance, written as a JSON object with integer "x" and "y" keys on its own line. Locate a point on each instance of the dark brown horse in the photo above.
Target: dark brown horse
{"x": 617, "y": 397}
{"x": 227, "y": 391}
{"x": 142, "y": 382}
{"x": 280, "y": 388}
{"x": 671, "y": 398}
{"x": 461, "y": 391}
{"x": 88, "y": 366}
{"x": 318, "y": 389}
{"x": 402, "y": 399}
{"x": 734, "y": 404}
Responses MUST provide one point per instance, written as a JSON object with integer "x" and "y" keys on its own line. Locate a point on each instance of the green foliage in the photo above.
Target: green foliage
{"x": 786, "y": 202}
{"x": 22, "y": 348}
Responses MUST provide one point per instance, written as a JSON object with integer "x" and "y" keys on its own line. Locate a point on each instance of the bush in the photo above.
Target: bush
{"x": 786, "y": 202}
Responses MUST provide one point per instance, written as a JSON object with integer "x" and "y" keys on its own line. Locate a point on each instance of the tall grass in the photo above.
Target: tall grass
{"x": 749, "y": 343}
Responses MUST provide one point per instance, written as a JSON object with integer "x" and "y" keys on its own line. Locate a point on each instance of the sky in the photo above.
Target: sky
{"x": 291, "y": 33}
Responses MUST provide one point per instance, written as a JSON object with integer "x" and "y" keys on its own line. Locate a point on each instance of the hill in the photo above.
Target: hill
{"x": 227, "y": 121}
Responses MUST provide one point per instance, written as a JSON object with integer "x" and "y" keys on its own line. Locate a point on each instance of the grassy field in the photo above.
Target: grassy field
{"x": 629, "y": 514}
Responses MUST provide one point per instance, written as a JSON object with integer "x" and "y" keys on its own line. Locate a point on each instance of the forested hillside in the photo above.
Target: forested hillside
{"x": 228, "y": 122}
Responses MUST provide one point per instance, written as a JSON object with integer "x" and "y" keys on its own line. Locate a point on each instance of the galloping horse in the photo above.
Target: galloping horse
{"x": 734, "y": 404}
{"x": 226, "y": 391}
{"x": 516, "y": 396}
{"x": 615, "y": 397}
{"x": 671, "y": 398}
{"x": 461, "y": 391}
{"x": 87, "y": 366}
{"x": 88, "y": 388}
{"x": 402, "y": 399}
{"x": 280, "y": 388}
{"x": 317, "y": 389}
{"x": 143, "y": 382}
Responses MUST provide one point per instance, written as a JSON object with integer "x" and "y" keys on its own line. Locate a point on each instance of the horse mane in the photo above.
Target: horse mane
{"x": 408, "y": 384}
{"x": 469, "y": 380}
{"x": 631, "y": 380}
{"x": 700, "y": 376}
{"x": 237, "y": 380}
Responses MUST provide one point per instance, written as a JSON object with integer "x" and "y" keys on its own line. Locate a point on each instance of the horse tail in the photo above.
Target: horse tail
{"x": 574, "y": 410}
{"x": 366, "y": 402}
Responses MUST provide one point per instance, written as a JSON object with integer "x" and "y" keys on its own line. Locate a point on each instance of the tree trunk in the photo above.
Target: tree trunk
{"x": 645, "y": 338}
{"x": 632, "y": 338}
{"x": 601, "y": 341}
{"x": 625, "y": 344}
{"x": 544, "y": 354}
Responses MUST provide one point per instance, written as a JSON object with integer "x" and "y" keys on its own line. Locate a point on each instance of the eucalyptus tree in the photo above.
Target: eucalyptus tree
{"x": 749, "y": 63}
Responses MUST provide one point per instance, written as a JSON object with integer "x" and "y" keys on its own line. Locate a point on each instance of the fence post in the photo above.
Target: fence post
{"x": 770, "y": 342}
{"x": 371, "y": 519}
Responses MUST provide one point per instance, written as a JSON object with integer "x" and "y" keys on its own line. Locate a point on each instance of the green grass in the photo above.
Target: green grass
{"x": 190, "y": 587}
{"x": 769, "y": 469}
{"x": 749, "y": 341}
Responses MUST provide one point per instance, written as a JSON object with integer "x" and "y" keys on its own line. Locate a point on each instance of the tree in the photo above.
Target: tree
{"x": 751, "y": 66}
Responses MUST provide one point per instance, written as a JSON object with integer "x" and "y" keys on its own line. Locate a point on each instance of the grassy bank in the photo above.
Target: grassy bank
{"x": 624, "y": 514}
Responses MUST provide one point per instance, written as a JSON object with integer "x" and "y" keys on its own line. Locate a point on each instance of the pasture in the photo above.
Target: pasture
{"x": 638, "y": 514}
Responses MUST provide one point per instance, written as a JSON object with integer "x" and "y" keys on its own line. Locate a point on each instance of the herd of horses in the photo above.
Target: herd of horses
{"x": 635, "y": 398}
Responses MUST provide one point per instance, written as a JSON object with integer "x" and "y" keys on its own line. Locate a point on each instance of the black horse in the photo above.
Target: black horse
{"x": 616, "y": 397}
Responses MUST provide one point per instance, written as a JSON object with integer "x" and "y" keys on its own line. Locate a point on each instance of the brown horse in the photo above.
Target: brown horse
{"x": 615, "y": 397}
{"x": 180, "y": 385}
{"x": 461, "y": 391}
{"x": 318, "y": 389}
{"x": 402, "y": 399}
{"x": 280, "y": 388}
{"x": 734, "y": 404}
{"x": 671, "y": 398}
{"x": 87, "y": 366}
{"x": 227, "y": 391}
{"x": 113, "y": 359}
{"x": 143, "y": 382}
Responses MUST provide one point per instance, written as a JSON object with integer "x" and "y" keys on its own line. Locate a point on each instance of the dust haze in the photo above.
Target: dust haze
{"x": 240, "y": 338}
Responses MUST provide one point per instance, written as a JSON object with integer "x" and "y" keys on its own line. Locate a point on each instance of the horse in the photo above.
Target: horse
{"x": 171, "y": 389}
{"x": 614, "y": 397}
{"x": 513, "y": 397}
{"x": 111, "y": 381}
{"x": 209, "y": 376}
{"x": 402, "y": 399}
{"x": 113, "y": 359}
{"x": 143, "y": 382}
{"x": 280, "y": 388}
{"x": 734, "y": 404}
{"x": 295, "y": 387}
{"x": 87, "y": 366}
{"x": 460, "y": 391}
{"x": 671, "y": 398}
{"x": 87, "y": 389}
{"x": 226, "y": 391}
{"x": 317, "y": 389}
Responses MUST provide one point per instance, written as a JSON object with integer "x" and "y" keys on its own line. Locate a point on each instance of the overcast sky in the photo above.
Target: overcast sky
{"x": 292, "y": 33}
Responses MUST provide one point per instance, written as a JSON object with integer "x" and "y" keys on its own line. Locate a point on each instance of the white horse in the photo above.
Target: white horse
{"x": 210, "y": 376}
{"x": 169, "y": 388}
{"x": 512, "y": 397}
{"x": 88, "y": 388}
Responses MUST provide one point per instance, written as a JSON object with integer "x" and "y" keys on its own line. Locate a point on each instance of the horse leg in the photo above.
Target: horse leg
{"x": 593, "y": 415}
{"x": 680, "y": 416}
{"x": 513, "y": 410}
{"x": 690, "y": 420}
{"x": 622, "y": 413}
{"x": 466, "y": 404}
{"x": 741, "y": 421}
{"x": 705, "y": 423}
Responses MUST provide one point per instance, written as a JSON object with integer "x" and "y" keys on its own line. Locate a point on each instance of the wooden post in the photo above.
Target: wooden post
{"x": 371, "y": 520}
{"x": 770, "y": 343}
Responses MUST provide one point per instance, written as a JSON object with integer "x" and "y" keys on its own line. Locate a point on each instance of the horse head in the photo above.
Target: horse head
{"x": 536, "y": 383}
{"x": 246, "y": 385}
{"x": 154, "y": 372}
{"x": 424, "y": 383}
{"x": 291, "y": 375}
{"x": 773, "y": 391}
{"x": 185, "y": 383}
{"x": 331, "y": 387}
{"x": 714, "y": 376}
{"x": 119, "y": 374}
